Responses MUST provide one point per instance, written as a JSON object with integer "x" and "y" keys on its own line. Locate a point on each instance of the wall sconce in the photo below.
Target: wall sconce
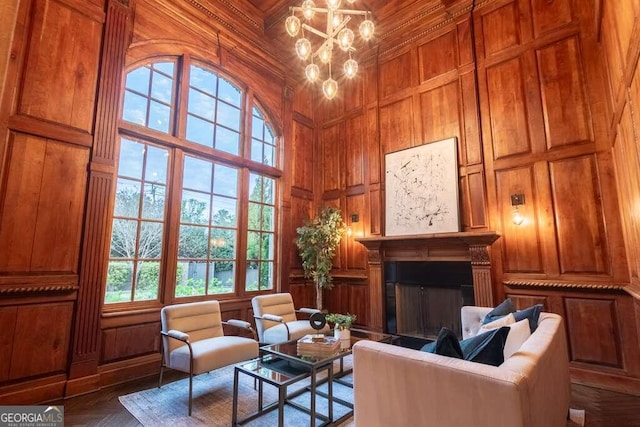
{"x": 517, "y": 200}
{"x": 354, "y": 218}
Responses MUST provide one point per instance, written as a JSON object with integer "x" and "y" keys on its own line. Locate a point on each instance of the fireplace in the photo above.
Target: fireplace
{"x": 422, "y": 297}
{"x": 452, "y": 267}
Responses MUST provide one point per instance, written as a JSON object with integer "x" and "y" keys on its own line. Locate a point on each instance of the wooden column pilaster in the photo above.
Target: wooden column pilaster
{"x": 481, "y": 271}
{"x": 83, "y": 372}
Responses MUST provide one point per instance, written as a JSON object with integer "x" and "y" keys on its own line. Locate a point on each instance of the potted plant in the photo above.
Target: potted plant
{"x": 317, "y": 242}
{"x": 342, "y": 327}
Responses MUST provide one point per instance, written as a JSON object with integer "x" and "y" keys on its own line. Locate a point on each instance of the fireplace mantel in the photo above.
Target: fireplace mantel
{"x": 463, "y": 246}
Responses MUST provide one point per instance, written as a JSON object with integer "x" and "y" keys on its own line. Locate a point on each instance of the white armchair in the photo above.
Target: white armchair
{"x": 276, "y": 319}
{"x": 193, "y": 340}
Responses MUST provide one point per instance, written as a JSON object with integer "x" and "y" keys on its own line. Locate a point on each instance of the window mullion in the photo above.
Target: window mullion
{"x": 172, "y": 227}
{"x": 243, "y": 227}
{"x": 182, "y": 95}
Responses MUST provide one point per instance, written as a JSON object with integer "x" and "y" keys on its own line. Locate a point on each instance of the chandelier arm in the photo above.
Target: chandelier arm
{"x": 314, "y": 31}
{"x": 352, "y": 12}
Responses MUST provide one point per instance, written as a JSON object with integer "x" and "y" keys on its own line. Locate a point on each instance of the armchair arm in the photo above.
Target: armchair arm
{"x": 181, "y": 336}
{"x": 242, "y": 325}
{"x": 308, "y": 310}
{"x": 272, "y": 317}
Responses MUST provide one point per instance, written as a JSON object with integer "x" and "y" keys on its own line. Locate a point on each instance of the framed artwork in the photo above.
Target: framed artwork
{"x": 421, "y": 189}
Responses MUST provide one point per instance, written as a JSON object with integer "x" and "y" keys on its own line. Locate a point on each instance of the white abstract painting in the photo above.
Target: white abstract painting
{"x": 421, "y": 189}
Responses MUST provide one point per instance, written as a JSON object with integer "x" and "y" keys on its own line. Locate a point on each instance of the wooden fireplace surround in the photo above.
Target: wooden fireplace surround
{"x": 463, "y": 246}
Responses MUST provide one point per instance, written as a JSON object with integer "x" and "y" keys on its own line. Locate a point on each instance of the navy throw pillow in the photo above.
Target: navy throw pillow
{"x": 532, "y": 313}
{"x": 501, "y": 310}
{"x": 487, "y": 348}
{"x": 446, "y": 344}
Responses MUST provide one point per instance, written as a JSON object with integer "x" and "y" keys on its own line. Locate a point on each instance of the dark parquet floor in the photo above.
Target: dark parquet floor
{"x": 603, "y": 408}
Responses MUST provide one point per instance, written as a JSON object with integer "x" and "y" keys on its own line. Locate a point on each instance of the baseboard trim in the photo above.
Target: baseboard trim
{"x": 34, "y": 391}
{"x": 607, "y": 381}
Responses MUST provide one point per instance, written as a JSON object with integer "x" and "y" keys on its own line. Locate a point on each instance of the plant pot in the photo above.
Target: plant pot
{"x": 344, "y": 335}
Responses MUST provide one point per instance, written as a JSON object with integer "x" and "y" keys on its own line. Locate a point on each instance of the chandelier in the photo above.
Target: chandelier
{"x": 337, "y": 34}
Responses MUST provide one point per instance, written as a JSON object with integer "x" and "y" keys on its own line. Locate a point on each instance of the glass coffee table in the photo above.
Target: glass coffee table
{"x": 280, "y": 365}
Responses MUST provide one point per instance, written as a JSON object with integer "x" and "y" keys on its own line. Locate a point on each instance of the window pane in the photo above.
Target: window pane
{"x": 196, "y": 207}
{"x": 153, "y": 201}
{"x": 257, "y": 128}
{"x": 255, "y": 187}
{"x": 150, "y": 240}
{"x": 161, "y": 88}
{"x": 193, "y": 242}
{"x": 138, "y": 80}
{"x": 255, "y": 216}
{"x": 201, "y": 104}
{"x": 256, "y": 151}
{"x": 131, "y": 158}
{"x": 165, "y": 67}
{"x": 228, "y": 116}
{"x": 266, "y": 248}
{"x": 269, "y": 136}
{"x": 156, "y": 168}
{"x": 267, "y": 218}
{"x": 159, "y": 116}
{"x": 228, "y": 92}
{"x": 203, "y": 79}
{"x": 147, "y": 281}
{"x": 223, "y": 243}
{"x": 267, "y": 195}
{"x": 269, "y": 157}
{"x": 226, "y": 181}
{"x": 227, "y": 140}
{"x": 197, "y": 174}
{"x": 127, "y": 198}
{"x": 251, "y": 276}
{"x": 134, "y": 109}
{"x": 224, "y": 211}
{"x": 253, "y": 245}
{"x": 119, "y": 281}
{"x": 199, "y": 131}
{"x": 266, "y": 275}
{"x": 221, "y": 277}
{"x": 123, "y": 238}
{"x": 191, "y": 278}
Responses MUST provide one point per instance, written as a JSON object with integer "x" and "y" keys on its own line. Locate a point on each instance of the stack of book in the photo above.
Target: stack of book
{"x": 310, "y": 345}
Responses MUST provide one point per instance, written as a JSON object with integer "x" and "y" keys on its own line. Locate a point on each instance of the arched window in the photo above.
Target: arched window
{"x": 195, "y": 201}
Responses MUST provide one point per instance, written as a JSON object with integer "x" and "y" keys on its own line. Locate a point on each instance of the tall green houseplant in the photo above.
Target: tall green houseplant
{"x": 317, "y": 242}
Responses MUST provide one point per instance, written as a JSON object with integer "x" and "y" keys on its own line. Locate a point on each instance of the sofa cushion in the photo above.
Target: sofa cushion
{"x": 504, "y": 308}
{"x": 532, "y": 313}
{"x": 487, "y": 347}
{"x": 519, "y": 332}
{"x": 446, "y": 344}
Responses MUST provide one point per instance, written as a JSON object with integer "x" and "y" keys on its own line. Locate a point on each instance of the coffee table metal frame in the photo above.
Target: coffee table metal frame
{"x": 262, "y": 370}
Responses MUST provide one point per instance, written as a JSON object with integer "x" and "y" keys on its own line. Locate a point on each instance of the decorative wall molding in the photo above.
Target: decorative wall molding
{"x": 563, "y": 285}
{"x": 32, "y": 289}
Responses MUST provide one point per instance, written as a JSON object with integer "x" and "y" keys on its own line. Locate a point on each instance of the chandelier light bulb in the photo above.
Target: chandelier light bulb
{"x": 345, "y": 38}
{"x": 333, "y": 4}
{"x": 312, "y": 71}
{"x": 350, "y": 68}
{"x": 303, "y": 48}
{"x": 366, "y": 29}
{"x": 337, "y": 19}
{"x": 292, "y": 24}
{"x": 325, "y": 54}
{"x": 330, "y": 88}
{"x": 307, "y": 8}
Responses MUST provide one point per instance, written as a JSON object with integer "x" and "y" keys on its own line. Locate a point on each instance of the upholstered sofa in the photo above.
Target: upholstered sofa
{"x": 396, "y": 386}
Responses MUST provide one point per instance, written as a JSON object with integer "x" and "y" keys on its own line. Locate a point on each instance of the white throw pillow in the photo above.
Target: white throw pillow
{"x": 518, "y": 334}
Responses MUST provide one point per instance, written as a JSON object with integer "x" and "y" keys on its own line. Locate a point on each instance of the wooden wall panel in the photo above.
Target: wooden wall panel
{"x": 501, "y": 28}
{"x": 128, "y": 341}
{"x": 302, "y": 168}
{"x": 566, "y": 111}
{"x": 359, "y": 303}
{"x": 470, "y": 116}
{"x": 396, "y": 126}
{"x": 521, "y": 244}
{"x": 614, "y": 52}
{"x": 331, "y": 142}
{"x": 356, "y": 253}
{"x": 594, "y": 336}
{"x": 549, "y": 15}
{"x": 582, "y": 242}
{"x": 508, "y": 115}
{"x": 45, "y": 187}
{"x": 395, "y": 74}
{"x": 477, "y": 200}
{"x": 438, "y": 56}
{"x": 355, "y": 153}
{"x": 373, "y": 145}
{"x": 303, "y": 100}
{"x": 8, "y": 16}
{"x": 8, "y": 316}
{"x": 301, "y": 210}
{"x": 55, "y": 88}
{"x": 41, "y": 346}
{"x": 440, "y": 113}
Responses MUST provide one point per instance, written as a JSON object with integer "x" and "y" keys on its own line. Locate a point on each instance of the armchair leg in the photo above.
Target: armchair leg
{"x": 190, "y": 391}
{"x": 161, "y": 371}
